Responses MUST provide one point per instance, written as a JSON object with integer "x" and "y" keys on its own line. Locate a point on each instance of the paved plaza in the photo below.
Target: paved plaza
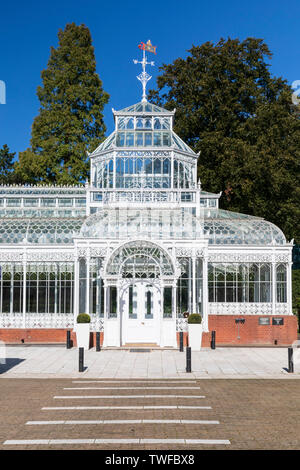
{"x": 167, "y": 414}
{"x": 58, "y": 362}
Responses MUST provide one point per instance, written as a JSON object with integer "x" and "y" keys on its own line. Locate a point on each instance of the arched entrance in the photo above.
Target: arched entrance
{"x": 141, "y": 274}
{"x": 140, "y": 308}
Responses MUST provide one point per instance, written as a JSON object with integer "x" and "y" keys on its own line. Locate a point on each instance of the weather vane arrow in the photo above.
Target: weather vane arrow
{"x": 144, "y": 77}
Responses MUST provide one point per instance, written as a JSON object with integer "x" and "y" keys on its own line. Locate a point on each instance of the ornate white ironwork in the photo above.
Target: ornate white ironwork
{"x": 282, "y": 309}
{"x": 144, "y": 77}
{"x": 97, "y": 323}
{"x": 181, "y": 324}
{"x": 11, "y": 320}
{"x": 237, "y": 308}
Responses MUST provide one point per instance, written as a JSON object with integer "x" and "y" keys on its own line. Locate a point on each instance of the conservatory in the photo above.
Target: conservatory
{"x": 139, "y": 246}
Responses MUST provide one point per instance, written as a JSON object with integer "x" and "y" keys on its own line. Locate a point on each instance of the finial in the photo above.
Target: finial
{"x": 144, "y": 77}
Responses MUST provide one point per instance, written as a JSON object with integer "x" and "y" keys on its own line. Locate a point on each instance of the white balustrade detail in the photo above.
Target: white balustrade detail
{"x": 258, "y": 308}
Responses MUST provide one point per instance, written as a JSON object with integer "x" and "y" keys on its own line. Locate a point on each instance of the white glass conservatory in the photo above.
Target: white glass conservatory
{"x": 137, "y": 246}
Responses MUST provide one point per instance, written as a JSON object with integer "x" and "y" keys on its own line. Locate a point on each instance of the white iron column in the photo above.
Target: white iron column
{"x": 273, "y": 286}
{"x": 205, "y": 293}
{"x": 289, "y": 288}
{"x": 24, "y": 287}
{"x": 76, "y": 288}
{"x": 87, "y": 284}
{"x": 194, "y": 284}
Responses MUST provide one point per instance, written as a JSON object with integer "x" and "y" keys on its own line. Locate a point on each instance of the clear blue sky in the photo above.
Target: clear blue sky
{"x": 29, "y": 29}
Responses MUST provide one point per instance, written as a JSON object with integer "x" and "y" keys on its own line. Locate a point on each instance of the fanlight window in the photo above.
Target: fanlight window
{"x": 140, "y": 260}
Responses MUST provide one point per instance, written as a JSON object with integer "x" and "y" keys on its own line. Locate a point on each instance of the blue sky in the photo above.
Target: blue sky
{"x": 29, "y": 29}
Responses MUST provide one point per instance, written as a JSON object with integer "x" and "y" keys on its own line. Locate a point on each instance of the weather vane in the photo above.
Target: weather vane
{"x": 144, "y": 77}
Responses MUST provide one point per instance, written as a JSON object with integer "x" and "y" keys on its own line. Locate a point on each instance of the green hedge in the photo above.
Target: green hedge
{"x": 83, "y": 318}
{"x": 194, "y": 318}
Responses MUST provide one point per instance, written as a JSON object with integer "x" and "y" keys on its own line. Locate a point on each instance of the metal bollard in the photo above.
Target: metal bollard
{"x": 213, "y": 340}
{"x": 68, "y": 339}
{"x": 81, "y": 359}
{"x": 98, "y": 341}
{"x": 181, "y": 341}
{"x": 188, "y": 359}
{"x": 290, "y": 360}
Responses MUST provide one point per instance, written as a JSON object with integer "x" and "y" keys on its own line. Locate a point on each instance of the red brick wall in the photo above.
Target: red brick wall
{"x": 42, "y": 335}
{"x": 251, "y": 333}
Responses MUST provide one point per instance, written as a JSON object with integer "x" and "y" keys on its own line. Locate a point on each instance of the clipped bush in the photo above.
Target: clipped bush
{"x": 83, "y": 318}
{"x": 194, "y": 318}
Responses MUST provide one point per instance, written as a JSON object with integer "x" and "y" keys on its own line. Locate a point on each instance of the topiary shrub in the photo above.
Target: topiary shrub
{"x": 83, "y": 318}
{"x": 194, "y": 318}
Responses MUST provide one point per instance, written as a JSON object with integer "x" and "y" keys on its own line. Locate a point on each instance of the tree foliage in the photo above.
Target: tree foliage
{"x": 6, "y": 165}
{"x": 242, "y": 120}
{"x": 70, "y": 120}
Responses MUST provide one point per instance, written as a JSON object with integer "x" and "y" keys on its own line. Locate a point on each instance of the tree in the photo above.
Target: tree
{"x": 6, "y": 165}
{"x": 70, "y": 121}
{"x": 229, "y": 107}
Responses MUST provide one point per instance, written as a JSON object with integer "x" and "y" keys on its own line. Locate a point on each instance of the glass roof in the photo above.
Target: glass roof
{"x": 41, "y": 231}
{"x": 144, "y": 107}
{"x": 169, "y": 137}
{"x": 230, "y": 228}
{"x": 148, "y": 223}
{"x": 222, "y": 227}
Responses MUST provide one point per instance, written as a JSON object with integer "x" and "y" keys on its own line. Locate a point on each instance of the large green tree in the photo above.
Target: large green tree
{"x": 6, "y": 165}
{"x": 242, "y": 119}
{"x": 70, "y": 121}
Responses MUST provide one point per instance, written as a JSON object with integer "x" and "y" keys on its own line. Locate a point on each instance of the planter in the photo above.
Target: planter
{"x": 195, "y": 336}
{"x": 83, "y": 335}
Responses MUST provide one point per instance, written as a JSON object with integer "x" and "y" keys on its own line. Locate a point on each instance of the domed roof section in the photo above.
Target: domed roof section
{"x": 144, "y": 126}
{"x": 143, "y": 107}
{"x": 232, "y": 228}
{"x": 159, "y": 224}
{"x": 219, "y": 226}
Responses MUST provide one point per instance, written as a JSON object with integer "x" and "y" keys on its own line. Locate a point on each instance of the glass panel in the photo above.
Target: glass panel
{"x": 157, "y": 139}
{"x": 132, "y": 302}
{"x": 129, "y": 139}
{"x": 149, "y": 303}
{"x": 148, "y": 139}
{"x": 112, "y": 301}
{"x": 168, "y": 302}
{"x": 31, "y": 202}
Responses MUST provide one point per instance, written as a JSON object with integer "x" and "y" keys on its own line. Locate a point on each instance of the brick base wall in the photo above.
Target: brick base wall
{"x": 42, "y": 335}
{"x": 251, "y": 332}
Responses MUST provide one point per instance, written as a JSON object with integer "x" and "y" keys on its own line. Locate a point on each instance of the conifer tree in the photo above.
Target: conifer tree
{"x": 70, "y": 121}
{"x": 6, "y": 165}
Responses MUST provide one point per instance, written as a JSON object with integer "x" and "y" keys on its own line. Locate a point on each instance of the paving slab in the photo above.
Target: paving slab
{"x": 37, "y": 361}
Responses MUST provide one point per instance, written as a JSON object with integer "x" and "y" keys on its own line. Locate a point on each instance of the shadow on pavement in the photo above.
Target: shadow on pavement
{"x": 9, "y": 364}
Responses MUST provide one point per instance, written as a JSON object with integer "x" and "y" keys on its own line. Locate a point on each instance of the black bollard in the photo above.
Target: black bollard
{"x": 290, "y": 359}
{"x": 181, "y": 341}
{"x": 213, "y": 340}
{"x": 68, "y": 339}
{"x": 81, "y": 359}
{"x": 188, "y": 359}
{"x": 98, "y": 341}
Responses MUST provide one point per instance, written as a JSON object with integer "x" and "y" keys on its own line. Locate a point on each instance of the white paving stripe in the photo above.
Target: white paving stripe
{"x": 125, "y": 421}
{"x": 116, "y": 441}
{"x": 144, "y": 407}
{"x": 131, "y": 388}
{"x": 133, "y": 381}
{"x": 125, "y": 396}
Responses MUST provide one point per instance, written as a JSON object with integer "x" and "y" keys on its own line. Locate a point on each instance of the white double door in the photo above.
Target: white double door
{"x": 140, "y": 306}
